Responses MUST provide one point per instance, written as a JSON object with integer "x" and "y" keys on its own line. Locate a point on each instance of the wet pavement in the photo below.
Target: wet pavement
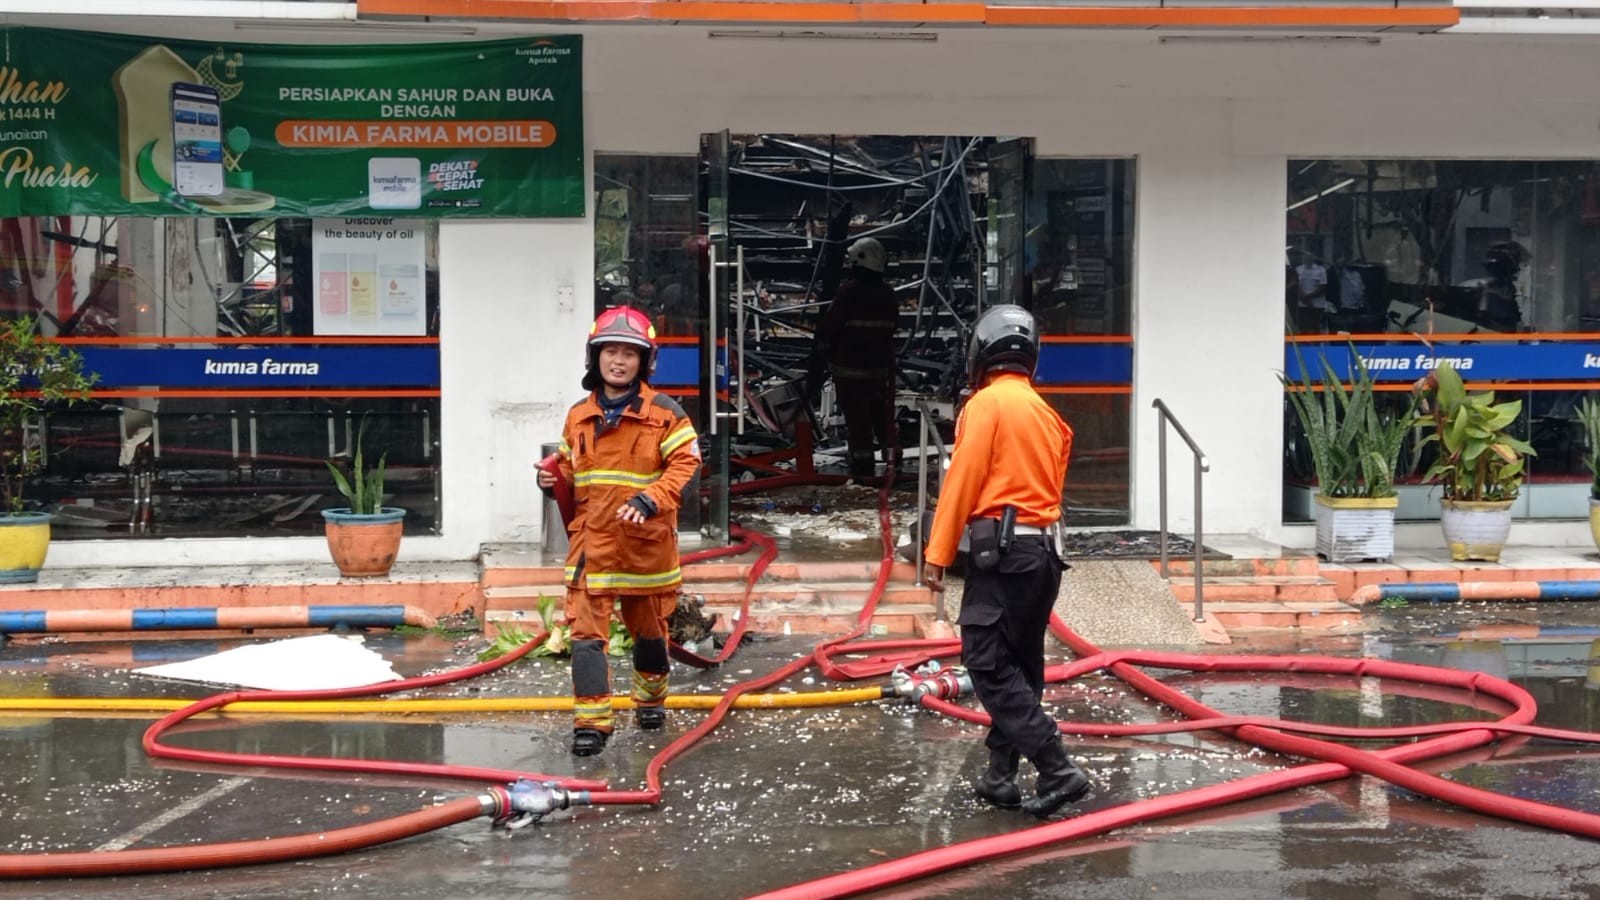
{"x": 777, "y": 797}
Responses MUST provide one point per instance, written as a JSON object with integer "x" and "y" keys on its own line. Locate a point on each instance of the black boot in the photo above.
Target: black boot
{"x": 998, "y": 785}
{"x": 588, "y": 741}
{"x": 1060, "y": 782}
{"x": 651, "y": 718}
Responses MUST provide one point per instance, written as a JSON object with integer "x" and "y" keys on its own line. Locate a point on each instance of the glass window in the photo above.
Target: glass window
{"x": 1493, "y": 262}
{"x": 1079, "y": 256}
{"x": 236, "y": 358}
{"x": 647, "y": 254}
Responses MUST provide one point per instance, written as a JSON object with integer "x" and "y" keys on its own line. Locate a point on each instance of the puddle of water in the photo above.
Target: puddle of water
{"x": 779, "y": 796}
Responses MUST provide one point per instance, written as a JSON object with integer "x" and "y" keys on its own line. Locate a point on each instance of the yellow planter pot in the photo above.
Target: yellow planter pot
{"x": 1594, "y": 521}
{"x": 24, "y": 541}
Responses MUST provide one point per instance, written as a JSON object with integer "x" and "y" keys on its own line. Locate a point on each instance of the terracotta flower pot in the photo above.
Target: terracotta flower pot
{"x": 364, "y": 546}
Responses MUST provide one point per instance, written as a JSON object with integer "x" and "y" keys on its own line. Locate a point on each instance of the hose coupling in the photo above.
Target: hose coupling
{"x": 931, "y": 681}
{"x": 946, "y": 684}
{"x": 526, "y": 802}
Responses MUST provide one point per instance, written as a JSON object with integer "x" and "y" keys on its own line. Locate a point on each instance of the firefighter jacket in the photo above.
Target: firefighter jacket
{"x": 1011, "y": 450}
{"x": 652, "y": 450}
{"x": 856, "y": 334}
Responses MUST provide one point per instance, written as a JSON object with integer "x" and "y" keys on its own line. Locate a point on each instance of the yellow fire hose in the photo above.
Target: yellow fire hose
{"x": 35, "y": 705}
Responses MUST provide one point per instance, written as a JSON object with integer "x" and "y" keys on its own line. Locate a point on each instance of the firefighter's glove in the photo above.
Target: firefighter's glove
{"x": 644, "y": 505}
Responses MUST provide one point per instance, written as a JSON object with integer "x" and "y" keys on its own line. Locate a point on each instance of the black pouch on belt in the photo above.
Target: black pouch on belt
{"x": 1008, "y": 526}
{"x": 983, "y": 548}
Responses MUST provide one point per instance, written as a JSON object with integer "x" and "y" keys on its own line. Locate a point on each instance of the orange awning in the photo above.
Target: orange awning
{"x": 1296, "y": 16}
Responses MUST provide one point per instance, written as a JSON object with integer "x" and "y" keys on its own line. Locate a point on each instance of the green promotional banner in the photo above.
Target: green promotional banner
{"x": 100, "y": 124}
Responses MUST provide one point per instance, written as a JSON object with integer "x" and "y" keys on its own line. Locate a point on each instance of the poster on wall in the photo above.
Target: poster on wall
{"x": 101, "y": 124}
{"x": 368, "y": 276}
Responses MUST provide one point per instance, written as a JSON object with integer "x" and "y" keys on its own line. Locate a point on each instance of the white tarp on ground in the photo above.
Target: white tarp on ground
{"x": 318, "y": 662}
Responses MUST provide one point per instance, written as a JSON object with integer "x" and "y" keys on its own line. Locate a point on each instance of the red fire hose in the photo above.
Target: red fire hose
{"x": 240, "y": 853}
{"x": 1332, "y": 761}
{"x": 562, "y": 491}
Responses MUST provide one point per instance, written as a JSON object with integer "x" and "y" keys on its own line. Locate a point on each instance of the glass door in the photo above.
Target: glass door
{"x": 1006, "y": 275}
{"x": 719, "y": 395}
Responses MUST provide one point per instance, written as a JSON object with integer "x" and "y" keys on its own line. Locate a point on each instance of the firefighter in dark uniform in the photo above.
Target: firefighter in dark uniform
{"x": 1004, "y": 488}
{"x": 856, "y": 340}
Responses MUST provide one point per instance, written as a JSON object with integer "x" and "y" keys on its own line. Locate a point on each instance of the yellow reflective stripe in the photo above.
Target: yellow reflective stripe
{"x": 570, "y": 573}
{"x": 648, "y": 688}
{"x": 564, "y": 449}
{"x": 602, "y": 580}
{"x": 617, "y": 477}
{"x": 677, "y": 439}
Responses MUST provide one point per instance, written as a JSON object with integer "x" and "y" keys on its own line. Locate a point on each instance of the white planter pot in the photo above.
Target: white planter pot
{"x": 1355, "y": 529}
{"x": 1475, "y": 531}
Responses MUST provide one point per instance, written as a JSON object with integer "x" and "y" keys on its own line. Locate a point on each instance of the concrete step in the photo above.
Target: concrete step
{"x": 1288, "y": 564}
{"x": 731, "y": 593}
{"x": 495, "y": 575}
{"x": 830, "y": 617}
{"x": 1310, "y": 616}
{"x": 1267, "y": 589}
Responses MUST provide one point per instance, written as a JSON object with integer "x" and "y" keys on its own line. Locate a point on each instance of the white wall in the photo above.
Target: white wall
{"x": 516, "y": 303}
{"x": 1211, "y": 126}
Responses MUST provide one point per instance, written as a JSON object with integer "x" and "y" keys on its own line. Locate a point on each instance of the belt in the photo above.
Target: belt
{"x": 1026, "y": 529}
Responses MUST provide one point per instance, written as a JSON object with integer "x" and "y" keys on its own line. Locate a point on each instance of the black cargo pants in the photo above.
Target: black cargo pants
{"x": 1005, "y": 612}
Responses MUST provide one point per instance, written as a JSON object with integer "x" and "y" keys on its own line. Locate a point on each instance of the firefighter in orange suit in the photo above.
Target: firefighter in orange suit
{"x": 1004, "y": 489}
{"x": 628, "y": 451}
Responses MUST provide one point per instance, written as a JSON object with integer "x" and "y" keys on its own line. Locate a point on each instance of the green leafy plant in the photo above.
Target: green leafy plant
{"x": 510, "y": 638}
{"x": 1392, "y": 602}
{"x": 558, "y": 643}
{"x": 1478, "y": 458}
{"x": 1355, "y": 445}
{"x": 35, "y": 374}
{"x": 620, "y": 642}
{"x": 363, "y": 488}
{"x": 1589, "y": 415}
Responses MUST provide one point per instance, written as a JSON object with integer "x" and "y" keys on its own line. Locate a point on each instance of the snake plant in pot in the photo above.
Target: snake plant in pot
{"x": 1479, "y": 462}
{"x": 364, "y": 537}
{"x": 1355, "y": 442}
{"x": 36, "y": 374}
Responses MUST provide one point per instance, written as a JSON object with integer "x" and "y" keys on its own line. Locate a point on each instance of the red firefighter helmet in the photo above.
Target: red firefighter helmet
{"x": 620, "y": 325}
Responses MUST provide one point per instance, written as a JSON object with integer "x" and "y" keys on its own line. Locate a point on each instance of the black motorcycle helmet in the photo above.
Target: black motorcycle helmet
{"x": 1003, "y": 340}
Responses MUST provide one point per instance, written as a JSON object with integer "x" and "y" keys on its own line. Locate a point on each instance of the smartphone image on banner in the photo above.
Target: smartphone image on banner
{"x": 196, "y": 140}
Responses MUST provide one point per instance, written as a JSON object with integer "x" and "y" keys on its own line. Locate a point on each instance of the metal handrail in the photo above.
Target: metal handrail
{"x": 1201, "y": 466}
{"x": 924, "y": 428}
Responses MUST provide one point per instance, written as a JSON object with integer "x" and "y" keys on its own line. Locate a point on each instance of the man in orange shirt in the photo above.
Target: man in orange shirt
{"x": 1004, "y": 488}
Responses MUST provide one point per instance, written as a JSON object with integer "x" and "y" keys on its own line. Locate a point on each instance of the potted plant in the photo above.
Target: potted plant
{"x": 1589, "y": 416}
{"x": 1479, "y": 462}
{"x": 364, "y": 537}
{"x": 35, "y": 374}
{"x": 1355, "y": 446}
